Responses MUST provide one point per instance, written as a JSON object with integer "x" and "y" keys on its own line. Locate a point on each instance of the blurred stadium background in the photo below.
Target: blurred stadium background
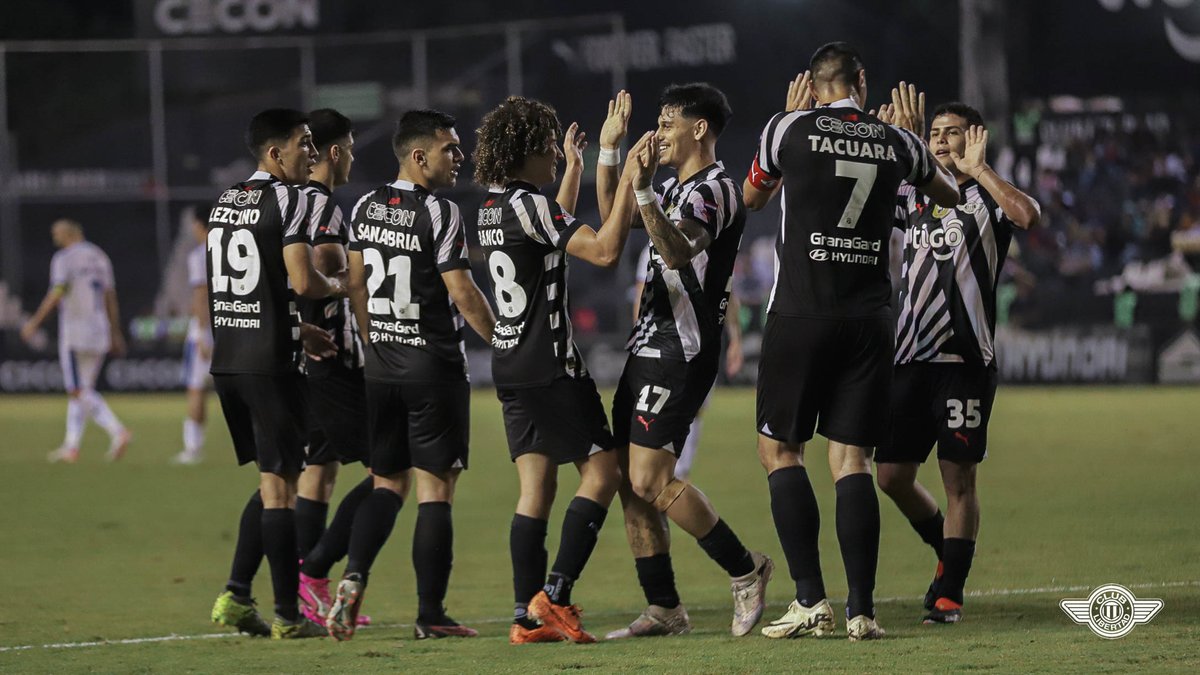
{"x": 125, "y": 114}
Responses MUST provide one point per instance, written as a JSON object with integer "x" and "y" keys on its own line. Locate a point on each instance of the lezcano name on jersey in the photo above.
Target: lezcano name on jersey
{"x": 827, "y": 245}
{"x": 388, "y": 237}
{"x": 396, "y": 332}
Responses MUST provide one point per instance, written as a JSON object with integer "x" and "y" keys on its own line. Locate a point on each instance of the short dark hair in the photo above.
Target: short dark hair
{"x": 415, "y": 125}
{"x": 328, "y": 126}
{"x": 700, "y": 100}
{"x": 512, "y": 131}
{"x": 971, "y": 115}
{"x": 835, "y": 62}
{"x": 275, "y": 124}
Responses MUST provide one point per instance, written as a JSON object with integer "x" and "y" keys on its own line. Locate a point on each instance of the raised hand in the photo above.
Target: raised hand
{"x": 974, "y": 158}
{"x": 884, "y": 113}
{"x": 574, "y": 143}
{"x": 800, "y": 94}
{"x": 616, "y": 125}
{"x": 908, "y": 108}
{"x": 642, "y": 162}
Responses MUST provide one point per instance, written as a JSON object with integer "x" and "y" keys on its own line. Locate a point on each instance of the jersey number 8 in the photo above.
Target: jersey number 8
{"x": 242, "y": 256}
{"x": 510, "y": 297}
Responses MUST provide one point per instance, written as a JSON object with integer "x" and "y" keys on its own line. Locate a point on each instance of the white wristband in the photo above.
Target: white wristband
{"x": 645, "y": 196}
{"x": 610, "y": 156}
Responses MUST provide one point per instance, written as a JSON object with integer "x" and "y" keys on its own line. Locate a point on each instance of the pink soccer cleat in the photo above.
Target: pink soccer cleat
{"x": 314, "y": 598}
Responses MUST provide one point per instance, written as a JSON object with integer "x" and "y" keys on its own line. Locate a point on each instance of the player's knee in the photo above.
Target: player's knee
{"x": 892, "y": 481}
{"x": 662, "y": 494}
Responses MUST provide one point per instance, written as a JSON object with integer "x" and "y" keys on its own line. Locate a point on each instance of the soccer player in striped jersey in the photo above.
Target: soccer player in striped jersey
{"x": 260, "y": 259}
{"x": 336, "y": 392}
{"x": 829, "y": 339}
{"x": 412, "y": 291}
{"x": 945, "y": 377}
{"x": 197, "y": 349}
{"x": 695, "y": 222}
{"x": 552, "y": 410}
{"x": 89, "y": 327}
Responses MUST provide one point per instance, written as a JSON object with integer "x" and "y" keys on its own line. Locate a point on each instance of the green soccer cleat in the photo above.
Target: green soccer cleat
{"x": 228, "y": 610}
{"x": 302, "y": 628}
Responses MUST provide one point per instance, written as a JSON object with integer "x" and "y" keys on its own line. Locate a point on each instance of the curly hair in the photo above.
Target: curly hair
{"x": 515, "y": 129}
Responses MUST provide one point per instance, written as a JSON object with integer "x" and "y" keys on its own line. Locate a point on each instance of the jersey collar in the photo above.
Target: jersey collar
{"x": 318, "y": 185}
{"x": 702, "y": 173}
{"x": 407, "y": 186}
{"x": 843, "y": 103}
{"x": 520, "y": 184}
{"x": 260, "y": 175}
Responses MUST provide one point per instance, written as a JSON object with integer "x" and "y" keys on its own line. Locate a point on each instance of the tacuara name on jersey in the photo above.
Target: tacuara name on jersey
{"x": 851, "y": 148}
{"x": 388, "y": 237}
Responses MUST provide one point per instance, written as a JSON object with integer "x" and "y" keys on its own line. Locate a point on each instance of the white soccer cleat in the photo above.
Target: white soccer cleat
{"x": 116, "y": 449}
{"x": 185, "y": 458}
{"x": 801, "y": 621}
{"x": 64, "y": 455}
{"x": 750, "y": 595}
{"x": 863, "y": 627}
{"x": 655, "y": 620}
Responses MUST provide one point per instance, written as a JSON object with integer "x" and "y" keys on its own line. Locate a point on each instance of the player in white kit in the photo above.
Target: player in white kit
{"x": 89, "y": 327}
{"x": 197, "y": 350}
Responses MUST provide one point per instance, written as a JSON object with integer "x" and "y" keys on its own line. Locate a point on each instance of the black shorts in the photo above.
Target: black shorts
{"x": 831, "y": 374}
{"x": 265, "y": 414}
{"x": 563, "y": 420}
{"x": 658, "y": 399}
{"x": 337, "y": 417}
{"x": 418, "y": 424}
{"x": 944, "y": 403}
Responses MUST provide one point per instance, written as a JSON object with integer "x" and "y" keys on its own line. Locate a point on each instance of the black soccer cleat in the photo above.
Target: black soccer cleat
{"x": 944, "y": 610}
{"x": 931, "y": 595}
{"x": 443, "y": 627}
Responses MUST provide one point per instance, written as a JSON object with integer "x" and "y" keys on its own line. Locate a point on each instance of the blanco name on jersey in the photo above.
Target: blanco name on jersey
{"x": 388, "y": 237}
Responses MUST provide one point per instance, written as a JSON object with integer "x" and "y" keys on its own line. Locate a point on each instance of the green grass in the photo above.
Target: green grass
{"x": 1084, "y": 487}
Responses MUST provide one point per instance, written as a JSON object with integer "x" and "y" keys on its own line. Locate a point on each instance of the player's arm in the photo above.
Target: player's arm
{"x": 677, "y": 244}
{"x": 200, "y": 314}
{"x": 116, "y": 335}
{"x": 53, "y": 297}
{"x": 1020, "y": 208}
{"x": 470, "y": 301}
{"x": 603, "y": 247}
{"x": 608, "y": 173}
{"x": 638, "y": 287}
{"x": 329, "y": 258}
{"x": 357, "y": 291}
{"x": 760, "y": 187}
{"x": 908, "y": 112}
{"x": 573, "y": 145}
{"x": 735, "y": 356}
{"x": 941, "y": 186}
{"x": 306, "y": 281}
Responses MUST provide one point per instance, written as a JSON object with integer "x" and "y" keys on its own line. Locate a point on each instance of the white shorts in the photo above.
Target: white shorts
{"x": 195, "y": 366}
{"x": 80, "y": 368}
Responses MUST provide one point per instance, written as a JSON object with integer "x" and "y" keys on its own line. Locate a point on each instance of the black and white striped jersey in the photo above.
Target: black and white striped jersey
{"x": 408, "y": 238}
{"x": 841, "y": 169}
{"x": 682, "y": 311}
{"x": 952, "y": 261}
{"x": 256, "y": 327}
{"x": 523, "y": 236}
{"x": 328, "y": 226}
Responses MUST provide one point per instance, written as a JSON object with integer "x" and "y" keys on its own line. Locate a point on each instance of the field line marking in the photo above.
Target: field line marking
{"x": 988, "y": 593}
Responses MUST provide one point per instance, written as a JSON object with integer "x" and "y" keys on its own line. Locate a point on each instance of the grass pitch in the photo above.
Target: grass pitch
{"x": 1083, "y": 487}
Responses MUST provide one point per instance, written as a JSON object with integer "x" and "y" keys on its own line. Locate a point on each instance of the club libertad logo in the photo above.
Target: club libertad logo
{"x": 1111, "y": 611}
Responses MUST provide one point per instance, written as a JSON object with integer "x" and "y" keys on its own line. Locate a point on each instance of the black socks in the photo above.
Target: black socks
{"x": 798, "y": 523}
{"x": 372, "y": 526}
{"x": 931, "y": 530}
{"x": 657, "y": 578}
{"x": 432, "y": 556}
{"x": 858, "y": 536}
{"x": 580, "y": 530}
{"x": 957, "y": 556}
{"x": 527, "y": 546}
{"x": 310, "y": 524}
{"x": 279, "y": 545}
{"x": 336, "y": 541}
{"x": 248, "y": 552}
{"x": 723, "y": 546}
